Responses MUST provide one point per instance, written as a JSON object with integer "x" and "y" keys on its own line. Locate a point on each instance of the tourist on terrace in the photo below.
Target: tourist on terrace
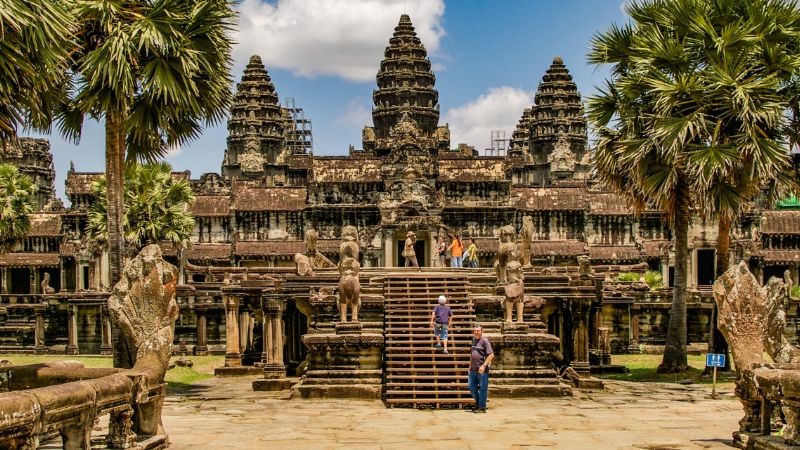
{"x": 480, "y": 359}
{"x": 441, "y": 319}
{"x": 472, "y": 250}
{"x": 457, "y": 250}
{"x": 408, "y": 251}
{"x": 441, "y": 251}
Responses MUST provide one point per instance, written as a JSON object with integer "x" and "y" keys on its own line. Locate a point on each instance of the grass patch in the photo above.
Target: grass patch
{"x": 642, "y": 368}
{"x": 178, "y": 378}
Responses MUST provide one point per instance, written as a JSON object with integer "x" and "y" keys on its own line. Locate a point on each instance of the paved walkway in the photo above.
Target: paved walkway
{"x": 226, "y": 413}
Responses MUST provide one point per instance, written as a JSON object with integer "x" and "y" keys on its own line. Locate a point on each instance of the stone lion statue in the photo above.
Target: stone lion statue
{"x": 46, "y": 288}
{"x": 303, "y": 264}
{"x": 506, "y": 252}
{"x": 349, "y": 289}
{"x": 311, "y": 237}
{"x": 349, "y": 246}
{"x": 514, "y": 291}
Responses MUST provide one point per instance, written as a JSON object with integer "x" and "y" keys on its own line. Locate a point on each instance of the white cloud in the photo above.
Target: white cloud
{"x": 174, "y": 151}
{"x": 356, "y": 114}
{"x": 343, "y": 38}
{"x": 498, "y": 109}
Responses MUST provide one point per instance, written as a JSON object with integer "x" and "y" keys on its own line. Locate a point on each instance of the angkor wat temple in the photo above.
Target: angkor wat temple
{"x": 252, "y": 217}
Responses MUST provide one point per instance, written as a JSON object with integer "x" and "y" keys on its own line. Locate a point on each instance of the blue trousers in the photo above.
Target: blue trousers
{"x": 479, "y": 387}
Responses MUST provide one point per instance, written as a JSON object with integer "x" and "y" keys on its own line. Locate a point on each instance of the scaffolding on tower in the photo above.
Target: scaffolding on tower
{"x": 499, "y": 144}
{"x": 299, "y": 139}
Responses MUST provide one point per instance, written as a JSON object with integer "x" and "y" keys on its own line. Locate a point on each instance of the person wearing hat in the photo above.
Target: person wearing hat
{"x": 441, "y": 319}
{"x": 408, "y": 250}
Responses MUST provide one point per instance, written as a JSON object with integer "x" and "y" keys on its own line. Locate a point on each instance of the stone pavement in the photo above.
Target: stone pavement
{"x": 226, "y": 413}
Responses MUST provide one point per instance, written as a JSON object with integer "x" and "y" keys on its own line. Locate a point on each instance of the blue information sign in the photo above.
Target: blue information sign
{"x": 715, "y": 359}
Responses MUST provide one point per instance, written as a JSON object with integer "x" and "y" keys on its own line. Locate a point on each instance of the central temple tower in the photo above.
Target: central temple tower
{"x": 405, "y": 89}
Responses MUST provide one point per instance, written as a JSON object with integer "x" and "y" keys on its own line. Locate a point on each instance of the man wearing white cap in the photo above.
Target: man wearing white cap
{"x": 441, "y": 319}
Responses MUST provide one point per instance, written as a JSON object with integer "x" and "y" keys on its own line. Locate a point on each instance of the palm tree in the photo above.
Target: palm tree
{"x": 17, "y": 196}
{"x": 33, "y": 61}
{"x": 693, "y": 115}
{"x": 156, "y": 71}
{"x": 156, "y": 205}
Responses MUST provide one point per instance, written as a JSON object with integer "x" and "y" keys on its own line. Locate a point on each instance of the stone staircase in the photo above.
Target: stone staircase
{"x": 416, "y": 374}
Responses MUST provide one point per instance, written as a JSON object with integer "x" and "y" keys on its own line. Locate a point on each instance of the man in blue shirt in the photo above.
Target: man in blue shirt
{"x": 441, "y": 319}
{"x": 480, "y": 359}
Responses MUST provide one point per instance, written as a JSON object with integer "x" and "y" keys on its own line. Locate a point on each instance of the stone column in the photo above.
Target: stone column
{"x": 244, "y": 328}
{"x": 72, "y": 329}
{"x": 580, "y": 341}
{"x": 201, "y": 347}
{"x": 3, "y": 280}
{"x": 388, "y": 248}
{"x": 79, "y": 276}
{"x": 92, "y": 275}
{"x": 233, "y": 355}
{"x": 273, "y": 339}
{"x": 38, "y": 334}
{"x": 62, "y": 276}
{"x": 105, "y": 330}
{"x": 32, "y": 276}
{"x": 633, "y": 343}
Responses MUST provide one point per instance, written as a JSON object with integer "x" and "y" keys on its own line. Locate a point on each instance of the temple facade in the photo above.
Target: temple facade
{"x": 253, "y": 216}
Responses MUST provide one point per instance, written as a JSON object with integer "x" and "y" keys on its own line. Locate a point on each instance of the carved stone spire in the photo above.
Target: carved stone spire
{"x": 405, "y": 84}
{"x": 521, "y": 137}
{"x": 557, "y": 116}
{"x": 256, "y": 128}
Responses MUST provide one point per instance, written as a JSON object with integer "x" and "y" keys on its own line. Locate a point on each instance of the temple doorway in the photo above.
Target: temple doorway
{"x": 419, "y": 248}
{"x": 774, "y": 271}
{"x": 706, "y": 262}
{"x": 19, "y": 281}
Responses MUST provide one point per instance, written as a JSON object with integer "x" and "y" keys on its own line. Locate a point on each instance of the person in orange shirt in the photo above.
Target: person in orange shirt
{"x": 457, "y": 251}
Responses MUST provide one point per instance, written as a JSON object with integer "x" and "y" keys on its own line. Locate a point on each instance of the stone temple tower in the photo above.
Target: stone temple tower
{"x": 405, "y": 88}
{"x": 550, "y": 139}
{"x": 33, "y": 158}
{"x": 257, "y": 125}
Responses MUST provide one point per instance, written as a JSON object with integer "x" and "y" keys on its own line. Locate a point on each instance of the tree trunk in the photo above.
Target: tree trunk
{"x": 718, "y": 342}
{"x": 723, "y": 244}
{"x": 675, "y": 350}
{"x": 115, "y": 190}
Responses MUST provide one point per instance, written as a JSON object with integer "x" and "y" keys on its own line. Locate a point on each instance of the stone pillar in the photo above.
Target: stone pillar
{"x": 32, "y": 275}
{"x": 244, "y": 328}
{"x": 3, "y": 280}
{"x": 92, "y": 275}
{"x": 62, "y": 280}
{"x": 273, "y": 339}
{"x": 580, "y": 341}
{"x": 38, "y": 334}
{"x": 72, "y": 329}
{"x": 633, "y": 316}
{"x": 691, "y": 272}
{"x": 79, "y": 276}
{"x": 105, "y": 332}
{"x": 233, "y": 355}
{"x": 201, "y": 347}
{"x": 388, "y": 248}
{"x": 597, "y": 323}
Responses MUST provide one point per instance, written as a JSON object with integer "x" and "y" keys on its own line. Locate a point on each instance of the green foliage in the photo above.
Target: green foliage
{"x": 795, "y": 292}
{"x": 34, "y": 43}
{"x": 654, "y": 279}
{"x": 627, "y": 276}
{"x": 156, "y": 207}
{"x": 703, "y": 91}
{"x": 17, "y": 196}
{"x": 162, "y": 65}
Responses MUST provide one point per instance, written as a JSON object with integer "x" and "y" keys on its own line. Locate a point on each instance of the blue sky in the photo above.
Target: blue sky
{"x": 488, "y": 57}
